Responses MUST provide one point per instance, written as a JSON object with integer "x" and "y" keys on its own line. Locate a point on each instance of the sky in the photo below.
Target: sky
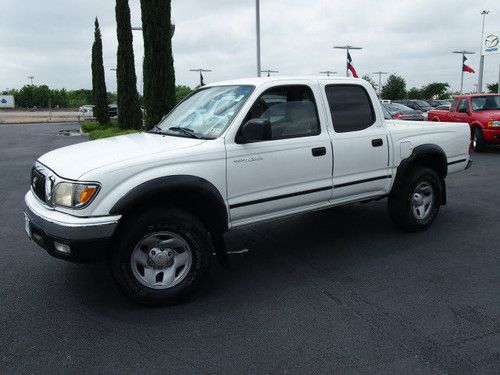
{"x": 52, "y": 40}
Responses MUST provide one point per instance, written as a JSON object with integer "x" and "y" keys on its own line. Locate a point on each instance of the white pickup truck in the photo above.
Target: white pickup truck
{"x": 156, "y": 204}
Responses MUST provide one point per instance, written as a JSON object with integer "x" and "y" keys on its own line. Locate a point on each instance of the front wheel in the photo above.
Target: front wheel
{"x": 478, "y": 140}
{"x": 416, "y": 202}
{"x": 162, "y": 256}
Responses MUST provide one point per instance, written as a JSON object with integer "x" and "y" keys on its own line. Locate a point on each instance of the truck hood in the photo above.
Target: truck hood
{"x": 73, "y": 161}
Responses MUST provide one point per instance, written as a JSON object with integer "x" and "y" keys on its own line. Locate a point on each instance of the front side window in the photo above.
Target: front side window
{"x": 453, "y": 105}
{"x": 463, "y": 106}
{"x": 206, "y": 113}
{"x": 291, "y": 111}
{"x": 351, "y": 108}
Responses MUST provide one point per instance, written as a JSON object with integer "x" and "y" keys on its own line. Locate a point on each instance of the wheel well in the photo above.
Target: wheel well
{"x": 193, "y": 194}
{"x": 200, "y": 204}
{"x": 430, "y": 156}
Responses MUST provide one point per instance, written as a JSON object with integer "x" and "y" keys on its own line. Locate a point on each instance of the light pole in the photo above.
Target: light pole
{"x": 347, "y": 48}
{"x": 463, "y": 53}
{"x": 481, "y": 57}
{"x": 269, "y": 71}
{"x": 200, "y": 70}
{"x": 31, "y": 78}
{"x": 257, "y": 29}
{"x": 328, "y": 72}
{"x": 380, "y": 81}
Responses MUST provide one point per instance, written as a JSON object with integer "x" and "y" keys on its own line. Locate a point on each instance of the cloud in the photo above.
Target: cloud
{"x": 52, "y": 40}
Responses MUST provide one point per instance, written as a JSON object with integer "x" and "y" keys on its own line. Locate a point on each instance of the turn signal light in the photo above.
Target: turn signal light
{"x": 87, "y": 194}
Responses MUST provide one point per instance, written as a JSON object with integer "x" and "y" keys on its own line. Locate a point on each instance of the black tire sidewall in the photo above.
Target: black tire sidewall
{"x": 400, "y": 202}
{"x": 162, "y": 219}
{"x": 478, "y": 137}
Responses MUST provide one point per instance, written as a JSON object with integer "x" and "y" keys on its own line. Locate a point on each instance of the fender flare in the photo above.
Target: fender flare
{"x": 183, "y": 183}
{"x": 424, "y": 154}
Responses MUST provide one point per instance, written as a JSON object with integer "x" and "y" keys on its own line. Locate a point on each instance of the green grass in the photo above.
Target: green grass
{"x": 97, "y": 131}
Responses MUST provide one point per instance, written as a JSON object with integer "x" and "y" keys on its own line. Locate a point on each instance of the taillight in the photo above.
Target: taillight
{"x": 397, "y": 115}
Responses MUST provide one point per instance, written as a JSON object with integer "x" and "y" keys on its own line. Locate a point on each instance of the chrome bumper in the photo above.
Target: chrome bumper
{"x": 63, "y": 226}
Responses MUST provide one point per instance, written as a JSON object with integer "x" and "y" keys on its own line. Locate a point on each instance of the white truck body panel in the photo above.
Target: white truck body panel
{"x": 255, "y": 172}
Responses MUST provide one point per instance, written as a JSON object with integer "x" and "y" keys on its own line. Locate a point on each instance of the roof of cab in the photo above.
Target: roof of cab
{"x": 259, "y": 81}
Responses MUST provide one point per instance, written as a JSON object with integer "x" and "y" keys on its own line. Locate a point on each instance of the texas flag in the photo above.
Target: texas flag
{"x": 350, "y": 67}
{"x": 467, "y": 68}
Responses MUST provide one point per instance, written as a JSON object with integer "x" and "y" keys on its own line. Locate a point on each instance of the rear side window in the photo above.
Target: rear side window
{"x": 350, "y": 106}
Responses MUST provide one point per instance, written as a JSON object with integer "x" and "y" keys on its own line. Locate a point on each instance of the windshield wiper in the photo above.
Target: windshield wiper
{"x": 186, "y": 131}
{"x": 157, "y": 130}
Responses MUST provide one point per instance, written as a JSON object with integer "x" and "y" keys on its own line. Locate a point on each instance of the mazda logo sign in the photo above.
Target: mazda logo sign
{"x": 491, "y": 41}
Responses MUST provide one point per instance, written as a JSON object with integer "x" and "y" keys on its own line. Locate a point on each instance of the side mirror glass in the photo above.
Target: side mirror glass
{"x": 254, "y": 130}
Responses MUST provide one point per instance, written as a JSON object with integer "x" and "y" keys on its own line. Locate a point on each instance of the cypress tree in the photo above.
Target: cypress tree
{"x": 99, "y": 94}
{"x": 158, "y": 69}
{"x": 129, "y": 111}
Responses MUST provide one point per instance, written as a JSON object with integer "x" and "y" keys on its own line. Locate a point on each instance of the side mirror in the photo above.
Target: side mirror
{"x": 254, "y": 130}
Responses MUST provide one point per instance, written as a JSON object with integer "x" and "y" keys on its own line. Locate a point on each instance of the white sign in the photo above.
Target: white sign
{"x": 491, "y": 43}
{"x": 6, "y": 101}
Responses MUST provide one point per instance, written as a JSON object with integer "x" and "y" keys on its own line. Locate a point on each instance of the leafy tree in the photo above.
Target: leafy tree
{"x": 493, "y": 88}
{"x": 415, "y": 93}
{"x": 159, "y": 75}
{"x": 394, "y": 88}
{"x": 181, "y": 92}
{"x": 434, "y": 89}
{"x": 129, "y": 112}
{"x": 100, "y": 99}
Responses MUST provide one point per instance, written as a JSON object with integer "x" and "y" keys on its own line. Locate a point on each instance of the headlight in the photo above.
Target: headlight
{"x": 74, "y": 195}
{"x": 493, "y": 124}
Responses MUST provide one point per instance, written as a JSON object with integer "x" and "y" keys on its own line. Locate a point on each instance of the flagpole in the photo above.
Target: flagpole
{"x": 200, "y": 70}
{"x": 462, "y": 78}
{"x": 347, "y": 48}
{"x": 463, "y": 53}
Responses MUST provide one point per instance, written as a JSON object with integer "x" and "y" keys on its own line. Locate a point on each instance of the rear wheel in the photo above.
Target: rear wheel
{"x": 478, "y": 140}
{"x": 415, "y": 204}
{"x": 162, "y": 256}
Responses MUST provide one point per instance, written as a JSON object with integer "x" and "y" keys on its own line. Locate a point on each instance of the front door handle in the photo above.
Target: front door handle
{"x": 319, "y": 151}
{"x": 377, "y": 142}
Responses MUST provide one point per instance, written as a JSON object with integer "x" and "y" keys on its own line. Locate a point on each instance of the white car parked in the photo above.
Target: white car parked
{"x": 156, "y": 204}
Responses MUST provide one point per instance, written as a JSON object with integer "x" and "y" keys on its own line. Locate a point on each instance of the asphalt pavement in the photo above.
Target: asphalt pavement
{"x": 337, "y": 291}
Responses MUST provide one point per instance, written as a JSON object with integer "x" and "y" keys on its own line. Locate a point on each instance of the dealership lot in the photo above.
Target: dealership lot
{"x": 338, "y": 290}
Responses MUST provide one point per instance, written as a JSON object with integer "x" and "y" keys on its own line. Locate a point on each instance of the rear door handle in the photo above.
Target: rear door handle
{"x": 319, "y": 151}
{"x": 377, "y": 142}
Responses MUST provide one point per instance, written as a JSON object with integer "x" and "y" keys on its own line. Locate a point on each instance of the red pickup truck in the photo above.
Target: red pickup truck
{"x": 480, "y": 111}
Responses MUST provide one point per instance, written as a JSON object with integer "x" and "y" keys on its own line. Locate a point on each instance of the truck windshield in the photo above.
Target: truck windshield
{"x": 485, "y": 103}
{"x": 206, "y": 113}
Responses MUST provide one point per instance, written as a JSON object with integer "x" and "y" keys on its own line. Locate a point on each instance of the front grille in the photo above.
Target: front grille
{"x": 38, "y": 183}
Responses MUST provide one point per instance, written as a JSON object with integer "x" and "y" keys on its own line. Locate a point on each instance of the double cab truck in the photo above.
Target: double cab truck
{"x": 155, "y": 205}
{"x": 480, "y": 111}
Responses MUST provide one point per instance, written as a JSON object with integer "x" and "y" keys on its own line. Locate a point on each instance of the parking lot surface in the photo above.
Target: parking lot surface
{"x": 336, "y": 291}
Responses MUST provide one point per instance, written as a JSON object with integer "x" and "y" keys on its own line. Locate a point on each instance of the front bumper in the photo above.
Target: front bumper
{"x": 88, "y": 238}
{"x": 491, "y": 135}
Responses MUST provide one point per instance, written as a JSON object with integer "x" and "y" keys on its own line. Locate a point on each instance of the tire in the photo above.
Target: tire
{"x": 162, "y": 256}
{"x": 478, "y": 140}
{"x": 415, "y": 204}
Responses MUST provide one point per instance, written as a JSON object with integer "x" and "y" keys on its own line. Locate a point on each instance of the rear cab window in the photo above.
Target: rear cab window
{"x": 351, "y": 108}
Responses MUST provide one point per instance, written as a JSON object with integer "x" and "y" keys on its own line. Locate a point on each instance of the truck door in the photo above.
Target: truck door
{"x": 289, "y": 172}
{"x": 462, "y": 113}
{"x": 360, "y": 142}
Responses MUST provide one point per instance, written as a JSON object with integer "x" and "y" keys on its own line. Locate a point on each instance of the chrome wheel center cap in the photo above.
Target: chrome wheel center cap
{"x": 161, "y": 258}
{"x": 417, "y": 199}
